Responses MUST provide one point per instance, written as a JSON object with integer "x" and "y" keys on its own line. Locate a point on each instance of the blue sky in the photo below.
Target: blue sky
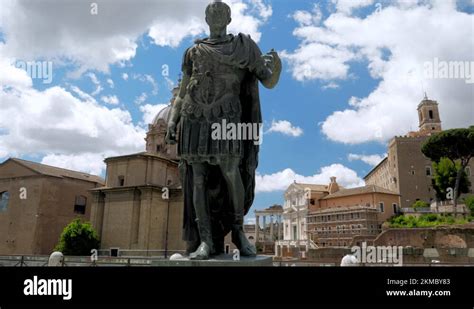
{"x": 348, "y": 83}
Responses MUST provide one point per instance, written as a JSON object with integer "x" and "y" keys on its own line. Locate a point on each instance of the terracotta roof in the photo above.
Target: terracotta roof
{"x": 311, "y": 186}
{"x": 141, "y": 154}
{"x": 359, "y": 190}
{"x": 49, "y": 170}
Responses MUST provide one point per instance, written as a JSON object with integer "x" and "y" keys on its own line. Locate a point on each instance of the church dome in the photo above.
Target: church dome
{"x": 162, "y": 115}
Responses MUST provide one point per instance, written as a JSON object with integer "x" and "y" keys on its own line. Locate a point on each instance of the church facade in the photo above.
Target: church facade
{"x": 139, "y": 211}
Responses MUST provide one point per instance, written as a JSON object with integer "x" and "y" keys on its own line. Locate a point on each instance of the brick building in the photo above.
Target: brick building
{"x": 337, "y": 218}
{"x": 37, "y": 201}
{"x": 406, "y": 170}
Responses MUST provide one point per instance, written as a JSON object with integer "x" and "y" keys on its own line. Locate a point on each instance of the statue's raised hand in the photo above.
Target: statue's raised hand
{"x": 273, "y": 64}
{"x": 272, "y": 61}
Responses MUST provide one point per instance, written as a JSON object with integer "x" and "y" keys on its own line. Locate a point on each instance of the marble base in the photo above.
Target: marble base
{"x": 223, "y": 260}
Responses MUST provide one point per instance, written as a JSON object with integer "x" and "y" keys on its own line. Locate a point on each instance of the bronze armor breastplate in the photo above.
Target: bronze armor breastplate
{"x": 214, "y": 88}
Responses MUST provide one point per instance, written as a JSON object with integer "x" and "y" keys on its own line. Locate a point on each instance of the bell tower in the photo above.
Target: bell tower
{"x": 428, "y": 115}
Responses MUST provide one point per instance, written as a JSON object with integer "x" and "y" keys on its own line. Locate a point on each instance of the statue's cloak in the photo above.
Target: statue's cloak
{"x": 246, "y": 56}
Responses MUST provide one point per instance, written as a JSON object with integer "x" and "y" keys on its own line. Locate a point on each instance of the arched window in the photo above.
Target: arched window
{"x": 4, "y": 197}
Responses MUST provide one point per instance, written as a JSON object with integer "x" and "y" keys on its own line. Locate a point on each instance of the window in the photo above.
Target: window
{"x": 80, "y": 205}
{"x": 311, "y": 201}
{"x": 114, "y": 251}
{"x": 413, "y": 172}
{"x": 428, "y": 171}
{"x": 4, "y": 197}
{"x": 158, "y": 148}
{"x": 381, "y": 207}
{"x": 431, "y": 114}
{"x": 121, "y": 181}
{"x": 395, "y": 208}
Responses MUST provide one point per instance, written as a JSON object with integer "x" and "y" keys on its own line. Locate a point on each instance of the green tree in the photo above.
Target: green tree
{"x": 78, "y": 238}
{"x": 454, "y": 144}
{"x": 445, "y": 173}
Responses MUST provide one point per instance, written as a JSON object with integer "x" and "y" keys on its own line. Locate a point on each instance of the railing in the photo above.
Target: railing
{"x": 417, "y": 210}
{"x": 100, "y": 260}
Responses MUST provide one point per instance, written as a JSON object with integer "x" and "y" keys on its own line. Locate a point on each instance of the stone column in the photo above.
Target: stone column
{"x": 271, "y": 228}
{"x": 257, "y": 228}
{"x": 279, "y": 227}
{"x": 264, "y": 227}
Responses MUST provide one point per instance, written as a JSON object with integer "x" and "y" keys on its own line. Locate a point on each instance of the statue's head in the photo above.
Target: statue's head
{"x": 218, "y": 15}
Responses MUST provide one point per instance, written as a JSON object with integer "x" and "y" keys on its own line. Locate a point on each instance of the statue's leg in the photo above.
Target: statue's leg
{"x": 202, "y": 212}
{"x": 230, "y": 171}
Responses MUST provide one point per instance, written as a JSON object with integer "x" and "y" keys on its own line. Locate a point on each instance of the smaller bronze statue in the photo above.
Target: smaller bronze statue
{"x": 219, "y": 85}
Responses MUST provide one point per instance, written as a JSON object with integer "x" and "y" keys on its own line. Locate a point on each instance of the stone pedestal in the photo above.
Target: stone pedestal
{"x": 223, "y": 260}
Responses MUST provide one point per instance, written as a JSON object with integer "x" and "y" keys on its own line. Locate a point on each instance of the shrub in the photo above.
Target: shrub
{"x": 78, "y": 238}
{"x": 428, "y": 220}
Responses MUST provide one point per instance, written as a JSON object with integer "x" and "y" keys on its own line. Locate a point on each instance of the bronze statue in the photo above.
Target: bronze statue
{"x": 219, "y": 85}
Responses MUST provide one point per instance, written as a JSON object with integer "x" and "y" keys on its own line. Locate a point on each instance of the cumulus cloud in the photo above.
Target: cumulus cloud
{"x": 111, "y": 99}
{"x": 347, "y": 6}
{"x": 280, "y": 181}
{"x": 150, "y": 111}
{"x": 141, "y": 98}
{"x": 146, "y": 78}
{"x": 96, "y": 82}
{"x": 393, "y": 41}
{"x": 61, "y": 126}
{"x": 285, "y": 127}
{"x": 372, "y": 160}
{"x": 111, "y": 83}
{"x": 31, "y": 27}
{"x": 91, "y": 163}
{"x": 124, "y": 76}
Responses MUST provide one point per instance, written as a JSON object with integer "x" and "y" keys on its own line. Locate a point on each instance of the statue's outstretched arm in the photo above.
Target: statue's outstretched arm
{"x": 175, "y": 114}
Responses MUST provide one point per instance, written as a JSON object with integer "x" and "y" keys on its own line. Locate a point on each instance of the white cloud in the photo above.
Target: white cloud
{"x": 305, "y": 18}
{"x": 111, "y": 99}
{"x": 331, "y": 85}
{"x": 96, "y": 82}
{"x": 251, "y": 220}
{"x": 66, "y": 30}
{"x": 91, "y": 163}
{"x": 146, "y": 78}
{"x": 111, "y": 83}
{"x": 372, "y": 160}
{"x": 285, "y": 127}
{"x": 141, "y": 98}
{"x": 393, "y": 41}
{"x": 280, "y": 181}
{"x": 60, "y": 126}
{"x": 150, "y": 111}
{"x": 347, "y": 6}
{"x": 124, "y": 76}
{"x": 83, "y": 95}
